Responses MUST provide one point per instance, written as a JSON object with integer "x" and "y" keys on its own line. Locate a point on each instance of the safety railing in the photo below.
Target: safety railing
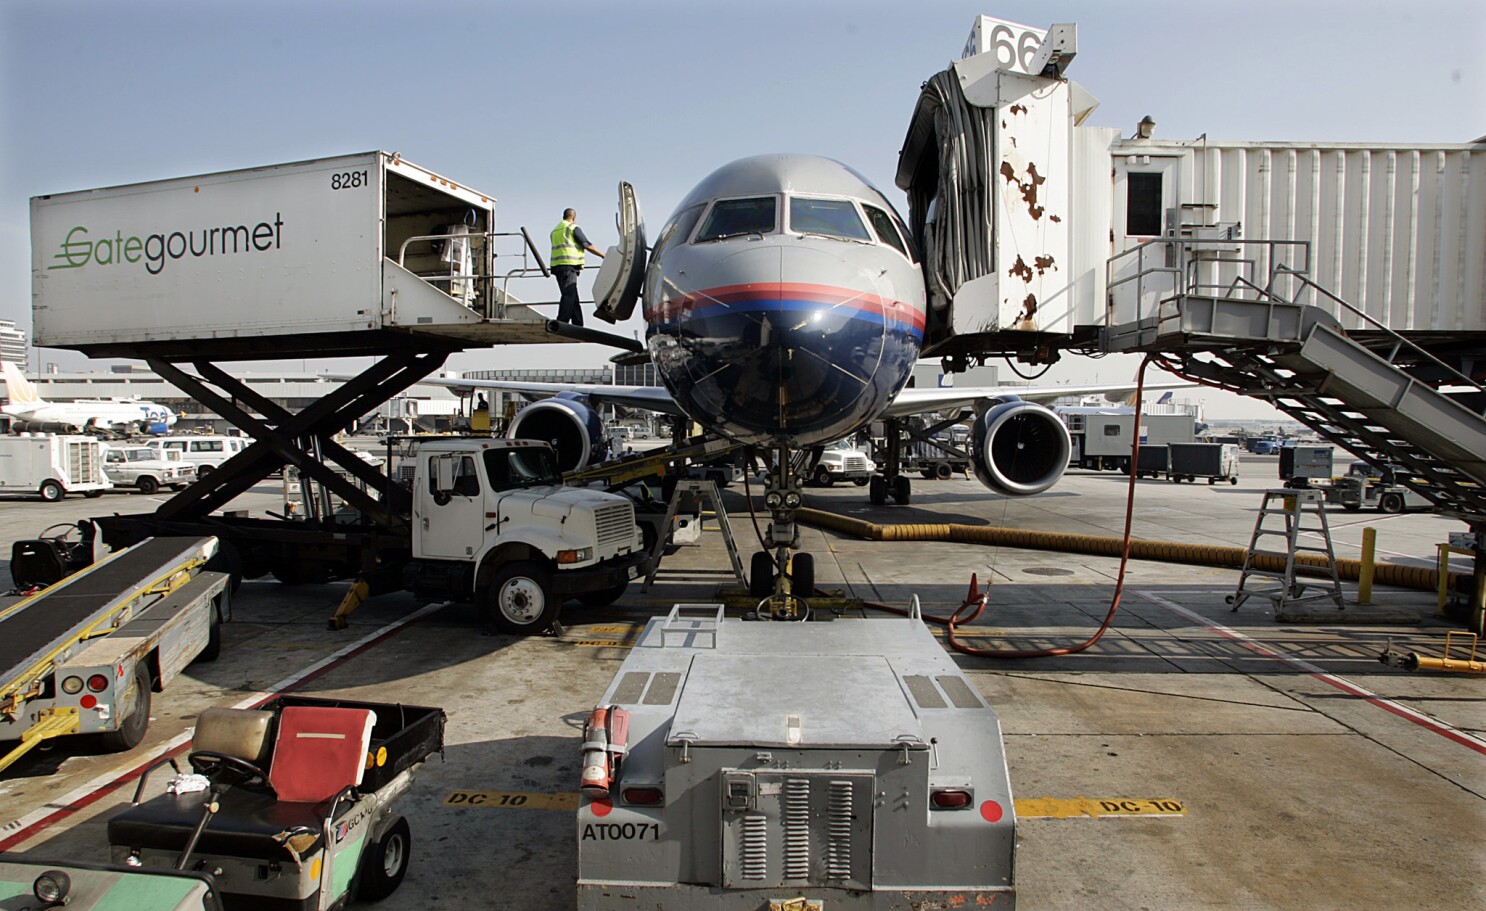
{"x": 489, "y": 291}
{"x": 1167, "y": 268}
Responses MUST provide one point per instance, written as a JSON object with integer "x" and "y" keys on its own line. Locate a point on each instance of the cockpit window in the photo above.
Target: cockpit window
{"x": 831, "y": 217}
{"x": 735, "y": 217}
{"x": 887, "y": 232}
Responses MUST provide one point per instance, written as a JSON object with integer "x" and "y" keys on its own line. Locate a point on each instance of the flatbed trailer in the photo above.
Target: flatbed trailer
{"x": 83, "y": 655}
{"x": 831, "y": 764}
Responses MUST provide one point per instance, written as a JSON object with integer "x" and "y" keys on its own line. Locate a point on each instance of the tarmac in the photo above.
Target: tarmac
{"x": 1194, "y": 757}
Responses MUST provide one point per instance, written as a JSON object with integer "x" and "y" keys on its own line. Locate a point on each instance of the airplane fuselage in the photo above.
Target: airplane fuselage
{"x": 784, "y": 306}
{"x": 104, "y": 415}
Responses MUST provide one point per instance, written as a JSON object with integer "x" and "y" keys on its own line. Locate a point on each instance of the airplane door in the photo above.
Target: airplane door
{"x": 451, "y": 517}
{"x": 617, "y": 286}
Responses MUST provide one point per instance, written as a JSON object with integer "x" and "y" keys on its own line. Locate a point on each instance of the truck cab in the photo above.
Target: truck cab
{"x": 493, "y": 522}
{"x": 843, "y": 461}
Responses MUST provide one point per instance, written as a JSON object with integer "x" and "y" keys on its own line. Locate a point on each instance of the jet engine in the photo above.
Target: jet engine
{"x": 1019, "y": 448}
{"x": 566, "y": 422}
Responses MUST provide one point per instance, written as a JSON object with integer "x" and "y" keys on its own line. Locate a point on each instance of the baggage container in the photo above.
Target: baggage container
{"x": 1214, "y": 461}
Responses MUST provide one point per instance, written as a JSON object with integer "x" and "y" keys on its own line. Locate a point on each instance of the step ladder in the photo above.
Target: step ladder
{"x": 706, "y": 491}
{"x": 1290, "y": 507}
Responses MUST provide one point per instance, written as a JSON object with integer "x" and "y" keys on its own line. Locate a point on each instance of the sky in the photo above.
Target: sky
{"x": 546, "y": 106}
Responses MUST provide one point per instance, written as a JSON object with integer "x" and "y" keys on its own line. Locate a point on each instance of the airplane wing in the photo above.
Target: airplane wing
{"x": 916, "y": 400}
{"x": 651, "y": 398}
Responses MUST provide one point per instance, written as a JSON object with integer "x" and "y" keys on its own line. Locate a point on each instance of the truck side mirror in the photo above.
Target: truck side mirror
{"x": 443, "y": 473}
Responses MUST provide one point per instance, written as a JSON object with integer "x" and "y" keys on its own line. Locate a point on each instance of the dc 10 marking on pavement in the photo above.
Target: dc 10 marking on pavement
{"x": 603, "y": 643}
{"x": 1026, "y": 808}
{"x": 1091, "y": 808}
{"x": 514, "y": 800}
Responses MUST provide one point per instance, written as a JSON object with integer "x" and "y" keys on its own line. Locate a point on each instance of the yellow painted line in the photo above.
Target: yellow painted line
{"x": 1091, "y": 808}
{"x": 514, "y": 800}
{"x": 603, "y": 643}
{"x": 1026, "y": 808}
{"x": 627, "y": 628}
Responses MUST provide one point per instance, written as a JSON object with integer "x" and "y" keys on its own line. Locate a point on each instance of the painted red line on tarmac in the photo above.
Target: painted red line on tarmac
{"x": 30, "y": 831}
{"x": 1351, "y": 689}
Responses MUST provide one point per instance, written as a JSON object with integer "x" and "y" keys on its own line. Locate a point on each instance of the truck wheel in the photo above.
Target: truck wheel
{"x": 1390, "y": 503}
{"x": 1211, "y": 481}
{"x": 926, "y": 473}
{"x": 203, "y": 470}
{"x": 147, "y": 485}
{"x": 92, "y": 494}
{"x": 942, "y": 471}
{"x": 51, "y": 491}
{"x": 860, "y": 482}
{"x": 761, "y": 575}
{"x": 519, "y": 601}
{"x": 386, "y": 863}
{"x": 1352, "y": 507}
{"x": 603, "y": 597}
{"x": 131, "y": 730}
{"x": 1233, "y": 481}
{"x": 823, "y": 477}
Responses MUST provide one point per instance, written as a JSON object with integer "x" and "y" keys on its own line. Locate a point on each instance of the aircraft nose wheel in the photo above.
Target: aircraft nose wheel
{"x": 902, "y": 490}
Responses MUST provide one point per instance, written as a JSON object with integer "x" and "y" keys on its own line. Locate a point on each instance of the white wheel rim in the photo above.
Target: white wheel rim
{"x": 392, "y": 856}
{"x": 521, "y": 600}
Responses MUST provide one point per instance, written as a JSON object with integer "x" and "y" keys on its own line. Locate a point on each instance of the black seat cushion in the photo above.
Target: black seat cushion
{"x": 250, "y": 824}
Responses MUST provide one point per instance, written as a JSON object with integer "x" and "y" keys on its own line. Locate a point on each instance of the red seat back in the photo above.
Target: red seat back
{"x": 319, "y": 751}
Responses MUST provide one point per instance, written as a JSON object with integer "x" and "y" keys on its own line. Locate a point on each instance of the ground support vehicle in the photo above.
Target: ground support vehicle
{"x": 876, "y": 779}
{"x": 52, "y": 466}
{"x": 1101, "y": 442}
{"x": 28, "y": 883}
{"x": 84, "y": 655}
{"x": 205, "y": 453}
{"x": 479, "y": 519}
{"x": 147, "y": 469}
{"x": 294, "y": 804}
{"x": 842, "y": 462}
{"x": 1214, "y": 461}
{"x": 1365, "y": 485}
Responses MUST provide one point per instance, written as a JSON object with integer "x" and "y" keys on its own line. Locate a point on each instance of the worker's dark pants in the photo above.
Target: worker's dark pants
{"x": 568, "y": 308}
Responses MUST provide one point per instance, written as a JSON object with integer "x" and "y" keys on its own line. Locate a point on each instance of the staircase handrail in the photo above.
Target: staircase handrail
{"x": 1398, "y": 340}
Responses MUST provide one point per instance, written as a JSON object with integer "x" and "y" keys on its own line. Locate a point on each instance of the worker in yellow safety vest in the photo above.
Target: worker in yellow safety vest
{"x": 568, "y": 244}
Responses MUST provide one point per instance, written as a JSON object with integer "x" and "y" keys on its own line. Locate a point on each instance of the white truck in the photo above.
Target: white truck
{"x": 84, "y": 654}
{"x": 52, "y": 466}
{"x": 488, "y": 520}
{"x": 147, "y": 469}
{"x": 842, "y": 461}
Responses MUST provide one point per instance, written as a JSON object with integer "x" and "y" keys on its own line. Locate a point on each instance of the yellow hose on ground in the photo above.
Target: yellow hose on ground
{"x": 1414, "y": 577}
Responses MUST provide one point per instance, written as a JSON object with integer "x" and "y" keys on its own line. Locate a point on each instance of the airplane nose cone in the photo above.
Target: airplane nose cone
{"x": 786, "y": 342}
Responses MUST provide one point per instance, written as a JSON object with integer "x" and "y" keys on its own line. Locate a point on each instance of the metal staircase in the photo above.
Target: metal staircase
{"x": 1197, "y": 303}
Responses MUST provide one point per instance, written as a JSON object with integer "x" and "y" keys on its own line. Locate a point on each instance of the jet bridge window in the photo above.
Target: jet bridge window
{"x": 831, "y": 217}
{"x": 1143, "y": 204}
{"x": 887, "y": 232}
{"x": 735, "y": 217}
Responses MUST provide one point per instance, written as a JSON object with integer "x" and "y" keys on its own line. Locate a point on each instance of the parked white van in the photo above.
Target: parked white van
{"x": 205, "y": 452}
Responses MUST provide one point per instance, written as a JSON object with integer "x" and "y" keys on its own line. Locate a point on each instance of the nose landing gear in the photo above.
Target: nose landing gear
{"x": 782, "y": 581}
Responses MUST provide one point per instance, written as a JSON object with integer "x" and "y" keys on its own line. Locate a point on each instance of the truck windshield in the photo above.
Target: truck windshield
{"x": 525, "y": 467}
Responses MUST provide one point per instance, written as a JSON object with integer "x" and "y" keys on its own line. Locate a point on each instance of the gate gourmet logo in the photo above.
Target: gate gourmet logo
{"x": 79, "y": 249}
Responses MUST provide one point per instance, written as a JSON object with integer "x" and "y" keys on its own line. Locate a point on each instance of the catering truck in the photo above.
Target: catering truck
{"x": 489, "y": 521}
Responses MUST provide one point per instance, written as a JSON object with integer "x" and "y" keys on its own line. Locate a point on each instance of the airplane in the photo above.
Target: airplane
{"x": 27, "y": 407}
{"x": 785, "y": 308}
